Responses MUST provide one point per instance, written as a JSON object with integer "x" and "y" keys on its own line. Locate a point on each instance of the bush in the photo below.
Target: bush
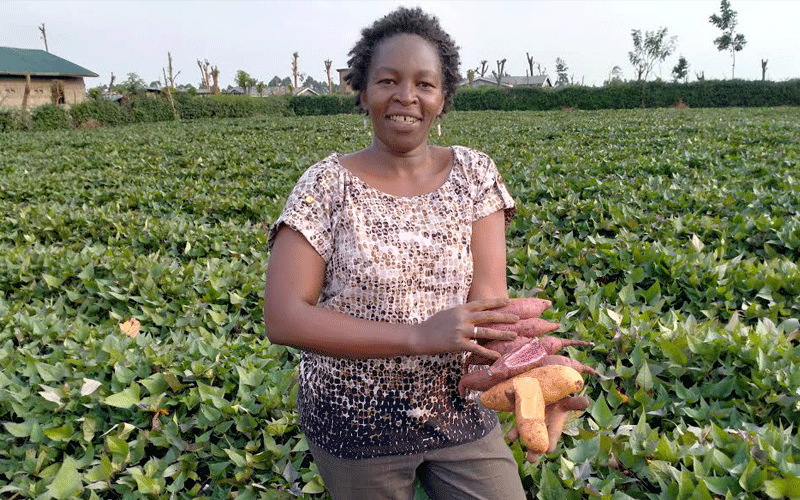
{"x": 629, "y": 95}
{"x": 106, "y": 112}
{"x": 10, "y": 119}
{"x": 322, "y": 105}
{"x": 50, "y": 117}
{"x": 226, "y": 106}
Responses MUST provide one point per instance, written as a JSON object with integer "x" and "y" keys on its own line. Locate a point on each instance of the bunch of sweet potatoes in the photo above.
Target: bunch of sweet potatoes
{"x": 529, "y": 378}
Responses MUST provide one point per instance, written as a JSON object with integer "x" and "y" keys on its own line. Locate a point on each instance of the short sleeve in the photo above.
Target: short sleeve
{"x": 308, "y": 209}
{"x": 492, "y": 194}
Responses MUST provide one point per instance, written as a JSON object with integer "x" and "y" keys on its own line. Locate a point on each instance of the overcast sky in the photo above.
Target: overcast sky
{"x": 592, "y": 36}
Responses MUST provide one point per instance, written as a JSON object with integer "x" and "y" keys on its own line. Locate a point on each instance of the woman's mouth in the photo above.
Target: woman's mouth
{"x": 403, "y": 119}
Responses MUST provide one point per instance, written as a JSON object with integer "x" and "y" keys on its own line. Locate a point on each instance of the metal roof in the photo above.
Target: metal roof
{"x": 15, "y": 61}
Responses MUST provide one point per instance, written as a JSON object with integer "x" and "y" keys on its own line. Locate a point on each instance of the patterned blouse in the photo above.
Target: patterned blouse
{"x": 400, "y": 260}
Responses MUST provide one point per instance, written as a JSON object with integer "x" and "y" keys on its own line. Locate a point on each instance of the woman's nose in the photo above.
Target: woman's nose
{"x": 405, "y": 93}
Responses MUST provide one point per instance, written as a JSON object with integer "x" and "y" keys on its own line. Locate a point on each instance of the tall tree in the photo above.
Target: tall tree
{"x": 681, "y": 70}
{"x": 295, "y": 57}
{"x": 764, "y": 69}
{"x": 647, "y": 51}
{"x": 561, "y": 71}
{"x": 499, "y": 75}
{"x": 483, "y": 68}
{"x": 44, "y": 37}
{"x": 730, "y": 39}
{"x": 328, "y": 64}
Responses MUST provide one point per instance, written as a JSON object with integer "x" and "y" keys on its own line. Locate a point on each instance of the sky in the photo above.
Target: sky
{"x": 591, "y": 36}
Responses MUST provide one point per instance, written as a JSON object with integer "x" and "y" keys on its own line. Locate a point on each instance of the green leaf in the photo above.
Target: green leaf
{"x": 63, "y": 433}
{"x": 753, "y": 477}
{"x": 22, "y": 430}
{"x": 550, "y": 487}
{"x": 124, "y": 399}
{"x": 52, "y": 281}
{"x": 67, "y": 482}
{"x": 788, "y": 487}
{"x": 645, "y": 379}
{"x": 315, "y": 486}
{"x": 601, "y": 413}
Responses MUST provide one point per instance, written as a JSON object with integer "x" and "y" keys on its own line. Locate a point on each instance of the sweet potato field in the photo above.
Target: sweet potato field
{"x": 133, "y": 360}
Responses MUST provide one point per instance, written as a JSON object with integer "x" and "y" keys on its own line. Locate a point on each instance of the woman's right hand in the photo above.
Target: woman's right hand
{"x": 458, "y": 328}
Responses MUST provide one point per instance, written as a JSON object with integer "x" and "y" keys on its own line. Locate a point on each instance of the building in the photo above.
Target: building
{"x": 52, "y": 79}
{"x": 512, "y": 81}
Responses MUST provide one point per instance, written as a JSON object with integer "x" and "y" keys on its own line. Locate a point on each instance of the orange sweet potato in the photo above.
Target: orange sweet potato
{"x": 555, "y": 382}
{"x": 529, "y": 414}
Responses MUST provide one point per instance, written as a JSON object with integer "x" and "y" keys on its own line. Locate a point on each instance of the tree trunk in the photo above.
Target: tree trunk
{"x": 25, "y": 116}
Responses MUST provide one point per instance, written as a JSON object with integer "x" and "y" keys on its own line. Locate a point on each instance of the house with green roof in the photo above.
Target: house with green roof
{"x": 52, "y": 80}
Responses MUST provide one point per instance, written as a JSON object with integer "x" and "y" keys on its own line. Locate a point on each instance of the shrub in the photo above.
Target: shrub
{"x": 50, "y": 117}
{"x": 104, "y": 111}
{"x": 322, "y": 105}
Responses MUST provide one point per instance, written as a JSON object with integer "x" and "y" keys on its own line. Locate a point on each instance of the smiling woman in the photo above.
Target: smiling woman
{"x": 385, "y": 265}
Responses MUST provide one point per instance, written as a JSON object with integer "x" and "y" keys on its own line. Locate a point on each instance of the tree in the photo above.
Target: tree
{"x": 275, "y": 82}
{"x": 499, "y": 75}
{"x": 730, "y": 39}
{"x": 483, "y": 68}
{"x": 44, "y": 37}
{"x": 205, "y": 79}
{"x": 470, "y": 76}
{"x": 655, "y": 47}
{"x": 561, "y": 71}
{"x": 614, "y": 76}
{"x": 764, "y": 69}
{"x": 260, "y": 88}
{"x": 328, "y": 64}
{"x": 681, "y": 70}
{"x": 244, "y": 80}
{"x": 295, "y": 57}
{"x": 134, "y": 84}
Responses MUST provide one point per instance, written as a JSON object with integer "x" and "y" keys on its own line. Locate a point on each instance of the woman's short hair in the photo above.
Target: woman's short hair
{"x": 404, "y": 21}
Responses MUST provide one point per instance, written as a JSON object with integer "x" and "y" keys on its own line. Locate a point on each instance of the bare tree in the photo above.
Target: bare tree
{"x": 44, "y": 37}
{"x": 169, "y": 84}
{"x": 25, "y": 116}
{"x": 499, "y": 75}
{"x": 764, "y": 69}
{"x": 328, "y": 64}
{"x": 204, "y": 76}
{"x": 470, "y": 76}
{"x": 483, "y": 68}
{"x": 215, "y": 76}
{"x": 295, "y": 57}
{"x": 111, "y": 83}
{"x": 530, "y": 63}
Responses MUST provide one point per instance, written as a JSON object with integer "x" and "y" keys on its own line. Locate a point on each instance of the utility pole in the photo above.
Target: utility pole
{"x": 44, "y": 37}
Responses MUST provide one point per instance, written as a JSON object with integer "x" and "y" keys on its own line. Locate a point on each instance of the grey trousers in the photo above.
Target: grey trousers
{"x": 481, "y": 470}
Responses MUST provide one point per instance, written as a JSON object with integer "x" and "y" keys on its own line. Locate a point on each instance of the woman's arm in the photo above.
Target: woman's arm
{"x": 489, "y": 258}
{"x": 294, "y": 281}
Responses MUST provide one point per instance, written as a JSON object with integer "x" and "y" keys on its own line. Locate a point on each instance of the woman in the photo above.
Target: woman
{"x": 383, "y": 265}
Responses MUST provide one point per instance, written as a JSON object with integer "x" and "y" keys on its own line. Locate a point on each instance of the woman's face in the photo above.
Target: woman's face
{"x": 404, "y": 93}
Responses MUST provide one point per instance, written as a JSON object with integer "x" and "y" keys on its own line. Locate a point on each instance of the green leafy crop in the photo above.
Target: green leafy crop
{"x": 669, "y": 238}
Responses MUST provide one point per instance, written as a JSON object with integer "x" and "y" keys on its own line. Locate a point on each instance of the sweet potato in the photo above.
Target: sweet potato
{"x": 529, "y": 414}
{"x": 555, "y": 382}
{"x": 554, "y": 344}
{"x": 530, "y": 327}
{"x": 525, "y": 308}
{"x": 556, "y": 414}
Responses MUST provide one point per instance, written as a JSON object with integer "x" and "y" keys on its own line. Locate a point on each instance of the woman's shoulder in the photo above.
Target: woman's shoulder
{"x": 473, "y": 162}
{"x": 326, "y": 173}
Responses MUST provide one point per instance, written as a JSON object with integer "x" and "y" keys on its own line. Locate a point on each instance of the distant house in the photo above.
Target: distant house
{"x": 344, "y": 88}
{"x": 47, "y": 73}
{"x": 305, "y": 91}
{"x": 511, "y": 81}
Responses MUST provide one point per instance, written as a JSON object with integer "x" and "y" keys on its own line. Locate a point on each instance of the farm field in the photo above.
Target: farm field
{"x": 669, "y": 238}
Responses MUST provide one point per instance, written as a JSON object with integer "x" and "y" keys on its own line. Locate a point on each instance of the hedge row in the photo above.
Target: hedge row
{"x": 630, "y": 95}
{"x": 142, "y": 108}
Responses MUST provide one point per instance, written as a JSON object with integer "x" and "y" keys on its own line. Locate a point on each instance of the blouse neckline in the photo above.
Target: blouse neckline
{"x": 447, "y": 181}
